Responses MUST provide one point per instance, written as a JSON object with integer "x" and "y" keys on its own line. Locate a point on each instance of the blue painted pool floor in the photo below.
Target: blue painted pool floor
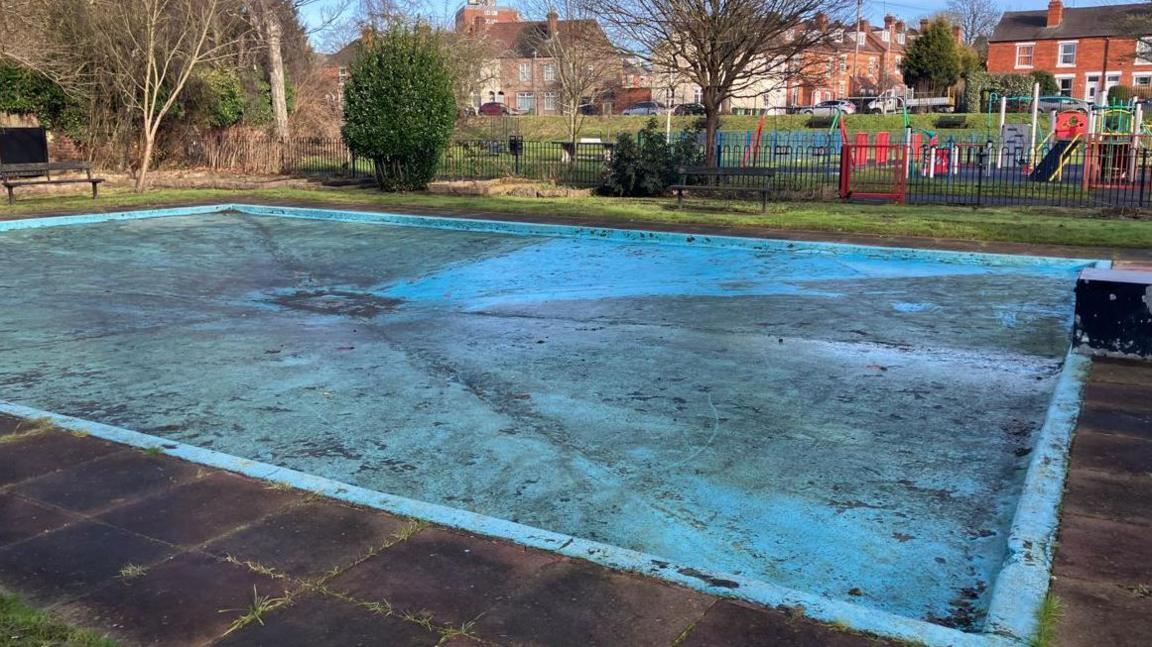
{"x": 850, "y": 426}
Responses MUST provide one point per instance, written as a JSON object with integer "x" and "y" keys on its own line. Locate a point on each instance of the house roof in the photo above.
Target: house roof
{"x": 520, "y": 39}
{"x": 1078, "y": 22}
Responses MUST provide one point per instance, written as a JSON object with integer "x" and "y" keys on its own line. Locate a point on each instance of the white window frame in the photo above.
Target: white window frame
{"x": 526, "y": 99}
{"x": 550, "y": 101}
{"x": 549, "y": 72}
{"x": 900, "y": 38}
{"x": 525, "y": 72}
{"x": 1147, "y": 76}
{"x": 1071, "y": 78}
{"x": 1144, "y": 49}
{"x": 1060, "y": 52}
{"x": 1031, "y": 56}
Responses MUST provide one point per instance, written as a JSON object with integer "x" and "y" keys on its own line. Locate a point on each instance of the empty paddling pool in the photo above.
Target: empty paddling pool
{"x": 876, "y": 435}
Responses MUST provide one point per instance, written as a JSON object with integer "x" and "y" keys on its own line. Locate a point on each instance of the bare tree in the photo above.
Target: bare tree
{"x": 147, "y": 50}
{"x": 471, "y": 57}
{"x": 584, "y": 63}
{"x": 976, "y": 18}
{"x": 727, "y": 47}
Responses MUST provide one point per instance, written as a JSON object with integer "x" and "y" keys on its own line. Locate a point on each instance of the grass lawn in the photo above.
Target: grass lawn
{"x": 23, "y": 626}
{"x": 1035, "y": 225}
{"x": 554, "y": 128}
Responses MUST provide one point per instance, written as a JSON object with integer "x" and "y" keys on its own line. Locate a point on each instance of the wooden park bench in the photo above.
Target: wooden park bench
{"x": 15, "y": 175}
{"x": 730, "y": 179}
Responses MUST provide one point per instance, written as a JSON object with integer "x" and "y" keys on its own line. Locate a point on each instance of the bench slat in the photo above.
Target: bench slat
{"x": 95, "y": 180}
{"x": 50, "y": 166}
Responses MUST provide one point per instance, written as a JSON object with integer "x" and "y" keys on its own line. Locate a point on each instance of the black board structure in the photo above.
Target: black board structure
{"x": 1114, "y": 313}
{"x": 23, "y": 146}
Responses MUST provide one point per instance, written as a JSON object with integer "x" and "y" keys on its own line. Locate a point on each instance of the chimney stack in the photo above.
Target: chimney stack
{"x": 901, "y": 26}
{"x": 864, "y": 26}
{"x": 1055, "y": 13}
{"x": 958, "y": 33}
{"x": 822, "y": 22}
{"x": 924, "y": 25}
{"x": 553, "y": 22}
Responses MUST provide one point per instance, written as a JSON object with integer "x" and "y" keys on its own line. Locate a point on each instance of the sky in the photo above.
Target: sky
{"x": 874, "y": 10}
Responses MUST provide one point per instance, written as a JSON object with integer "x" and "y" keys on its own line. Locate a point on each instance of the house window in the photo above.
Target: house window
{"x": 886, "y": 36}
{"x": 549, "y": 102}
{"x": 1067, "y": 55}
{"x": 1144, "y": 51}
{"x": 1142, "y": 81}
{"x": 1065, "y": 83}
{"x": 697, "y": 94}
{"x": 549, "y": 72}
{"x": 525, "y": 72}
{"x": 900, "y": 38}
{"x": 1024, "y": 54}
{"x": 526, "y": 102}
{"x": 843, "y": 63}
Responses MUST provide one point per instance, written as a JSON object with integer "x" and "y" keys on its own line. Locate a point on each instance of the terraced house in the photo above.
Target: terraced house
{"x": 864, "y": 61}
{"x": 1088, "y": 49}
{"x": 523, "y": 74}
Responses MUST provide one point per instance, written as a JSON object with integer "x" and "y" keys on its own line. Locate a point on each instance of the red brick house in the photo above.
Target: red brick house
{"x": 1087, "y": 49}
{"x": 864, "y": 61}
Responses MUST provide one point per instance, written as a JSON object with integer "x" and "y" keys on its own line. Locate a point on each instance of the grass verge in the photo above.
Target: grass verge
{"x": 1031, "y": 225}
{"x": 21, "y": 626}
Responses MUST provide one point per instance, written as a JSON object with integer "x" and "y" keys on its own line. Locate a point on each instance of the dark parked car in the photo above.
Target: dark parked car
{"x": 689, "y": 109}
{"x": 496, "y": 109}
{"x": 645, "y": 108}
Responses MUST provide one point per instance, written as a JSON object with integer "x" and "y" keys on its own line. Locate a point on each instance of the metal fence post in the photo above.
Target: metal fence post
{"x": 980, "y": 179}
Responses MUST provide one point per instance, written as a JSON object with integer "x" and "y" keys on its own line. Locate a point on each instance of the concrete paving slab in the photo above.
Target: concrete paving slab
{"x": 450, "y": 576}
{"x": 107, "y": 482}
{"x": 1113, "y": 453}
{"x": 1096, "y": 615}
{"x": 1107, "y": 420}
{"x": 200, "y": 510}
{"x": 37, "y": 455}
{"x": 316, "y": 620}
{"x": 60, "y": 565}
{"x": 1100, "y": 550}
{"x": 21, "y": 519}
{"x": 578, "y": 605}
{"x": 732, "y": 624}
{"x": 1097, "y": 494}
{"x": 309, "y": 540}
{"x": 187, "y": 600}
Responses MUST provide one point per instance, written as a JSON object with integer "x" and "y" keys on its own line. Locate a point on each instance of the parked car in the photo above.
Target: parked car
{"x": 497, "y": 109}
{"x": 829, "y": 108}
{"x": 645, "y": 108}
{"x": 1048, "y": 104}
{"x": 689, "y": 109}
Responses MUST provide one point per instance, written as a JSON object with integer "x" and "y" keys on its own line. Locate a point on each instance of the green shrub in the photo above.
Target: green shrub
{"x": 1048, "y": 85}
{"x": 1121, "y": 94}
{"x": 646, "y": 164}
{"x": 399, "y": 106}
{"x": 24, "y": 92}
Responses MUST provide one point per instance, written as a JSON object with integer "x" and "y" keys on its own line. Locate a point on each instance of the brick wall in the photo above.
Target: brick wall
{"x": 1089, "y": 61}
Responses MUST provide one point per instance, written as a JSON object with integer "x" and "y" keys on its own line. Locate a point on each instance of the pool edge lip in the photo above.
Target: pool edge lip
{"x": 1021, "y": 583}
{"x": 550, "y": 229}
{"x": 814, "y": 606}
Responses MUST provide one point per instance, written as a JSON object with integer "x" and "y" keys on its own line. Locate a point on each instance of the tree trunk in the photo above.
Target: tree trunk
{"x": 145, "y": 161}
{"x": 711, "y": 124}
{"x": 272, "y": 32}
